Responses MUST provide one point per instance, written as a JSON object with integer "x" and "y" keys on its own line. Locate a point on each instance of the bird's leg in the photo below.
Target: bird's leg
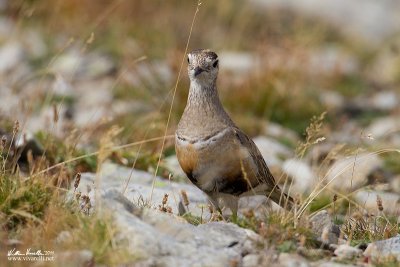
{"x": 232, "y": 202}
{"x": 214, "y": 203}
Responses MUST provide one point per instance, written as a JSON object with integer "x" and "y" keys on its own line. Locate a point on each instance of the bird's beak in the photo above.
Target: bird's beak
{"x": 197, "y": 71}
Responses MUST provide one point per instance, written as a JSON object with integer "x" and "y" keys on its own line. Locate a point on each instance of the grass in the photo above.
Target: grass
{"x": 35, "y": 212}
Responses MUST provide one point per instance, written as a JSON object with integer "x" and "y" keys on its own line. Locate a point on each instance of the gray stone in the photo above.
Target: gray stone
{"x": 333, "y": 264}
{"x": 61, "y": 87}
{"x": 351, "y": 172}
{"x": 139, "y": 189}
{"x": 385, "y": 100}
{"x": 331, "y": 99}
{"x": 292, "y": 260}
{"x": 346, "y": 252}
{"x": 395, "y": 184}
{"x": 74, "y": 64}
{"x": 177, "y": 242}
{"x": 276, "y": 131}
{"x": 380, "y": 250}
{"x": 73, "y": 258}
{"x": 303, "y": 176}
{"x": 374, "y": 23}
{"x": 172, "y": 164}
{"x": 323, "y": 228}
{"x": 239, "y": 62}
{"x": 34, "y": 44}
{"x": 272, "y": 150}
{"x": 11, "y": 54}
{"x": 251, "y": 260}
{"x": 383, "y": 127}
{"x": 390, "y": 201}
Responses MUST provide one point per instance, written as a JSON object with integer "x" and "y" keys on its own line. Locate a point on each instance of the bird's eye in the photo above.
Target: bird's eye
{"x": 188, "y": 60}
{"x": 215, "y": 64}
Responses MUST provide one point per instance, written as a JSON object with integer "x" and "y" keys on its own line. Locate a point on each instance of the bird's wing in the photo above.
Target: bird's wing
{"x": 263, "y": 172}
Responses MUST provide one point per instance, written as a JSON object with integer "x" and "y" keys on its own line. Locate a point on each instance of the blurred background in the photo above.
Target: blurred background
{"x": 72, "y": 70}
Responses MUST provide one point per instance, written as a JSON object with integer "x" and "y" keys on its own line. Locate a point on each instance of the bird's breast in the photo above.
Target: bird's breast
{"x": 211, "y": 162}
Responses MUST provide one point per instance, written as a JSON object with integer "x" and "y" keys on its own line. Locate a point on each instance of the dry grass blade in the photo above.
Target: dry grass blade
{"x": 97, "y": 152}
{"x": 317, "y": 191}
{"x": 173, "y": 96}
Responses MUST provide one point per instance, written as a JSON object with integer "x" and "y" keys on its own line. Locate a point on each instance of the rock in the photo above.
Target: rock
{"x": 374, "y": 23}
{"x": 98, "y": 65}
{"x": 292, "y": 260}
{"x": 74, "y": 64}
{"x": 352, "y": 172}
{"x": 237, "y": 61}
{"x": 34, "y": 44}
{"x": 251, "y": 260}
{"x": 331, "y": 59}
{"x": 46, "y": 120}
{"x": 9, "y": 102}
{"x": 72, "y": 258}
{"x": 385, "y": 101}
{"x": 334, "y": 264}
{"x": 6, "y": 24}
{"x": 390, "y": 201}
{"x": 383, "y": 127}
{"x": 277, "y": 131}
{"x": 272, "y": 150}
{"x": 324, "y": 61}
{"x": 384, "y": 249}
{"x": 172, "y": 164}
{"x": 139, "y": 189}
{"x": 395, "y": 184}
{"x": 302, "y": 175}
{"x": 143, "y": 75}
{"x": 346, "y": 252}
{"x": 68, "y": 63}
{"x": 11, "y": 54}
{"x": 323, "y": 228}
{"x": 331, "y": 99}
{"x": 27, "y": 143}
{"x": 178, "y": 243}
{"x": 61, "y": 87}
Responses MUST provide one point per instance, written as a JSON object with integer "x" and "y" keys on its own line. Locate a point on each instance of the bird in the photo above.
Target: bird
{"x": 216, "y": 156}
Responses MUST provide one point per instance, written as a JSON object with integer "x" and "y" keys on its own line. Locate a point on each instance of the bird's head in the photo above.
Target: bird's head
{"x": 203, "y": 67}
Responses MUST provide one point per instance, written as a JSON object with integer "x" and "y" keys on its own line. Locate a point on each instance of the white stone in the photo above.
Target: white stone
{"x": 379, "y": 250}
{"x": 346, "y": 252}
{"x": 11, "y": 54}
{"x": 276, "y": 130}
{"x": 383, "y": 127}
{"x": 271, "y": 150}
{"x": 385, "y": 100}
{"x": 374, "y": 22}
{"x": 301, "y": 173}
{"x": 390, "y": 201}
{"x": 161, "y": 238}
{"x": 351, "y": 172}
{"x": 292, "y": 260}
{"x": 238, "y": 62}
